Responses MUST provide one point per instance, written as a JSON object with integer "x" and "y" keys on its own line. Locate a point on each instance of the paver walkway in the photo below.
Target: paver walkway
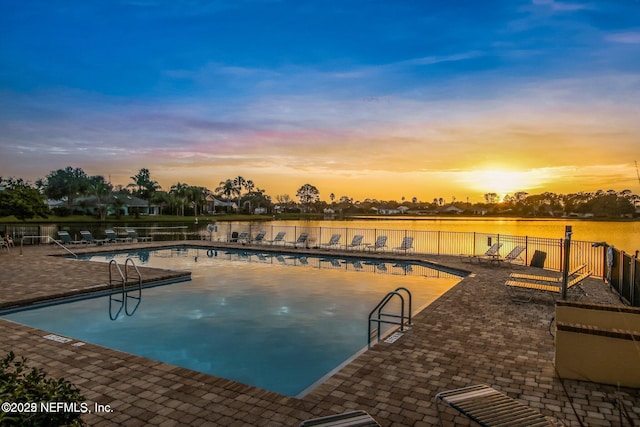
{"x": 473, "y": 334}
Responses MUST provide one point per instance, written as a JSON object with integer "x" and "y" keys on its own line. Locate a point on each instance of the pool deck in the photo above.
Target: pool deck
{"x": 473, "y": 334}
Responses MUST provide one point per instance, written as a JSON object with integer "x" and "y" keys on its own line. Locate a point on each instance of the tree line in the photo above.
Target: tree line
{"x": 241, "y": 195}
{"x": 25, "y": 201}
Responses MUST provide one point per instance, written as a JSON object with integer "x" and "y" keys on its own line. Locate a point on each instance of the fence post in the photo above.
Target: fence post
{"x": 565, "y": 265}
{"x": 632, "y": 279}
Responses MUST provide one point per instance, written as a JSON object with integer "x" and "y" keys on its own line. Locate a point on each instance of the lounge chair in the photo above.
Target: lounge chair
{"x": 87, "y": 237}
{"x": 134, "y": 235}
{"x": 243, "y": 237}
{"x": 524, "y": 291}
{"x": 406, "y": 246}
{"x": 302, "y": 240}
{"x": 511, "y": 258}
{"x": 333, "y": 241}
{"x": 114, "y": 238}
{"x": 9, "y": 241}
{"x": 547, "y": 279}
{"x": 278, "y": 239}
{"x": 356, "y": 242}
{"x": 489, "y": 407}
{"x": 347, "y": 419}
{"x": 381, "y": 243}
{"x": 66, "y": 239}
{"x": 259, "y": 237}
{"x": 492, "y": 252}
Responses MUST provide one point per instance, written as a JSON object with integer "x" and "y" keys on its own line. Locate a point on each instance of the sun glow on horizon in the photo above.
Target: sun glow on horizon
{"x": 503, "y": 182}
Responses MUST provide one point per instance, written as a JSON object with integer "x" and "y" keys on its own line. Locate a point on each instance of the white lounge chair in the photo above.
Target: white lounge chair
{"x": 87, "y": 237}
{"x": 302, "y": 240}
{"x": 381, "y": 243}
{"x": 65, "y": 238}
{"x": 511, "y": 258}
{"x": 333, "y": 241}
{"x": 134, "y": 235}
{"x": 492, "y": 252}
{"x": 406, "y": 246}
{"x": 278, "y": 239}
{"x": 259, "y": 238}
{"x": 356, "y": 242}
{"x": 114, "y": 238}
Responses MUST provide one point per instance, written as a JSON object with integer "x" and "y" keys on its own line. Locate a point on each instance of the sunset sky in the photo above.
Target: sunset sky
{"x": 378, "y": 99}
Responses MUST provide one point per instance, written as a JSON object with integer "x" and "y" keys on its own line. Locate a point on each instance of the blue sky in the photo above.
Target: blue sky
{"x": 378, "y": 99}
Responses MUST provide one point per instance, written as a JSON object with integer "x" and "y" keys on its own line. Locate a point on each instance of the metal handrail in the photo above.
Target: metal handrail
{"x": 50, "y": 239}
{"x": 122, "y": 278}
{"x": 409, "y": 298}
{"x": 126, "y": 295}
{"x": 111, "y": 297}
{"x": 383, "y": 302}
{"x": 135, "y": 267}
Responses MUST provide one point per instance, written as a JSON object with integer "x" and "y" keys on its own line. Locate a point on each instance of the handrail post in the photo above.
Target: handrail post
{"x": 383, "y": 302}
{"x": 565, "y": 266}
{"x": 402, "y": 288}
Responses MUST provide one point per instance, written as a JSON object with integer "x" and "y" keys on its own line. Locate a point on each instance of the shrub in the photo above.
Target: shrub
{"x": 21, "y": 384}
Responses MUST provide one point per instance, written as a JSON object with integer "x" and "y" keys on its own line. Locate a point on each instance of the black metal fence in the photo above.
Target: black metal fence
{"x": 623, "y": 275}
{"x": 619, "y": 269}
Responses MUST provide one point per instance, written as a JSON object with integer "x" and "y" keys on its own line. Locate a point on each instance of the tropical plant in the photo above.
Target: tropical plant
{"x": 144, "y": 185}
{"x": 21, "y": 384}
{"x": 226, "y": 189}
{"x": 101, "y": 189}
{"x": 178, "y": 192}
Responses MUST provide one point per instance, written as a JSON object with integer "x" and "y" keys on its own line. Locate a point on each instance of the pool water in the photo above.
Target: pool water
{"x": 278, "y": 322}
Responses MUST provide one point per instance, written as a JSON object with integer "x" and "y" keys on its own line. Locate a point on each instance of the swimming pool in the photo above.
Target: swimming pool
{"x": 275, "y": 321}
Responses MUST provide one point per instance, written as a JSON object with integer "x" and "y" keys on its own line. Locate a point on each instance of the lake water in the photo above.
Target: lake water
{"x": 623, "y": 235}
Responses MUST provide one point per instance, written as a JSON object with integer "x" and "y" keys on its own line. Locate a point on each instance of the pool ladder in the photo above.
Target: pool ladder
{"x": 401, "y": 319}
{"x": 123, "y": 280}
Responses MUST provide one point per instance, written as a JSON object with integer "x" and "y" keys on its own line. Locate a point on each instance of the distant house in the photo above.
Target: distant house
{"x": 451, "y": 209}
{"x": 215, "y": 205}
{"x": 387, "y": 211}
{"x": 126, "y": 204}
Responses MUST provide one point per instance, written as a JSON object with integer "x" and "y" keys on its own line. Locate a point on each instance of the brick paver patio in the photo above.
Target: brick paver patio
{"x": 472, "y": 334}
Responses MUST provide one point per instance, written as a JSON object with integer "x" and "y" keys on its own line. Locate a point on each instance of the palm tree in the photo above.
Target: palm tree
{"x": 145, "y": 186}
{"x": 226, "y": 188}
{"x": 197, "y": 197}
{"x": 102, "y": 190}
{"x": 179, "y": 193}
{"x": 239, "y": 183}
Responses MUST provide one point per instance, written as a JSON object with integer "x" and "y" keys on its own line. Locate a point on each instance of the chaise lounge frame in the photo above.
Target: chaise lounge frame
{"x": 347, "y": 419}
{"x": 531, "y": 288}
{"x": 489, "y": 407}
